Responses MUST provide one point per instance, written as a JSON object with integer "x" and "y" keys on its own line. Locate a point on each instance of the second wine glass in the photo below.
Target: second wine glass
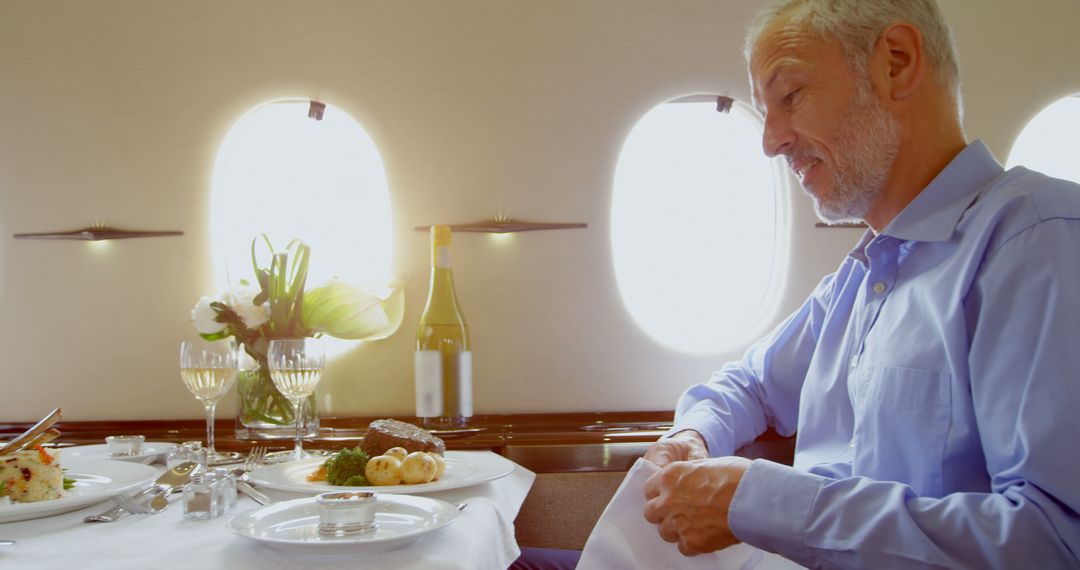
{"x": 296, "y": 366}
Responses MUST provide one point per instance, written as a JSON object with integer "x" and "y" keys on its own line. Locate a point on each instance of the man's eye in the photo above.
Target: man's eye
{"x": 790, "y": 97}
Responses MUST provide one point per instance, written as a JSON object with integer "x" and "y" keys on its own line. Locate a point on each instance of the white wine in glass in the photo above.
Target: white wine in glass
{"x": 209, "y": 371}
{"x": 296, "y": 366}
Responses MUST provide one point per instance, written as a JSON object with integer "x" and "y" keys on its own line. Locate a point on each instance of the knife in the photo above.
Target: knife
{"x": 29, "y": 435}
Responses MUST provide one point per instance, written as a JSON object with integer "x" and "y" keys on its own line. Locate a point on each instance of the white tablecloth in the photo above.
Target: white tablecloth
{"x": 482, "y": 538}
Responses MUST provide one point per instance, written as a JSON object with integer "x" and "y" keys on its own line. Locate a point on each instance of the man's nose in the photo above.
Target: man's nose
{"x": 778, "y": 135}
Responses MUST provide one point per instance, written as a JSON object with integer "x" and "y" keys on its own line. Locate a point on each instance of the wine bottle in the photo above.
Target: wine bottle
{"x": 443, "y": 361}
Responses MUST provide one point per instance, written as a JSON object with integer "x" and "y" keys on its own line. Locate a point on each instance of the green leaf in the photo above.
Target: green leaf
{"x": 261, "y": 274}
{"x": 344, "y": 311}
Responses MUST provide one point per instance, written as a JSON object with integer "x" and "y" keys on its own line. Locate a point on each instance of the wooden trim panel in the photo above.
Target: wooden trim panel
{"x": 543, "y": 443}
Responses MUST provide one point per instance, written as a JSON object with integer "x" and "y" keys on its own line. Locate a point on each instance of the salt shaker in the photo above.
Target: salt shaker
{"x": 346, "y": 513}
{"x": 188, "y": 451}
{"x": 200, "y": 502}
{"x": 124, "y": 445}
{"x": 225, "y": 488}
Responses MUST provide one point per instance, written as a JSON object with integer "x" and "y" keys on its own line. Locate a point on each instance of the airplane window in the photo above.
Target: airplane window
{"x": 281, "y": 173}
{"x": 1048, "y": 142}
{"x": 697, "y": 225}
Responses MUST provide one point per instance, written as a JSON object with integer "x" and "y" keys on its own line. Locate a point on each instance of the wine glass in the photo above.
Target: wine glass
{"x": 209, "y": 370}
{"x": 296, "y": 366}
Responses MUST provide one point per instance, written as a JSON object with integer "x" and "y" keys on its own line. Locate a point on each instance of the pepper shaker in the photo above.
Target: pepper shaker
{"x": 225, "y": 489}
{"x": 200, "y": 502}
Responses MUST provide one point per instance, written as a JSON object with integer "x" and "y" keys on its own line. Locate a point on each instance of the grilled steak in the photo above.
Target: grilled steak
{"x": 384, "y": 434}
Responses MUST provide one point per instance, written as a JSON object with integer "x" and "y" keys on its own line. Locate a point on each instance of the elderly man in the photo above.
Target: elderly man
{"x": 932, "y": 379}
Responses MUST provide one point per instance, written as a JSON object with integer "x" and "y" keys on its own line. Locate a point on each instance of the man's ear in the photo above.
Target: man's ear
{"x": 901, "y": 49}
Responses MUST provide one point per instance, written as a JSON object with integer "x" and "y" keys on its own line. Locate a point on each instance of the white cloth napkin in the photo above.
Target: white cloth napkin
{"x": 623, "y": 539}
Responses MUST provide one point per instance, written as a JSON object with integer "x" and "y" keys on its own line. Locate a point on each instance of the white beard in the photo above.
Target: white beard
{"x": 869, "y": 140}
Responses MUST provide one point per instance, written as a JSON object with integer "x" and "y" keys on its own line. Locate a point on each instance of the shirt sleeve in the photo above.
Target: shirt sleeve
{"x": 745, "y": 397}
{"x": 1024, "y": 321}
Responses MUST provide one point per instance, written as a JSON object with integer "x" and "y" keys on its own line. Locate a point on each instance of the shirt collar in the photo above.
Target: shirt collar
{"x": 935, "y": 212}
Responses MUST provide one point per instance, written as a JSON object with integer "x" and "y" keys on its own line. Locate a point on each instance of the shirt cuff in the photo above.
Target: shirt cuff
{"x": 771, "y": 506}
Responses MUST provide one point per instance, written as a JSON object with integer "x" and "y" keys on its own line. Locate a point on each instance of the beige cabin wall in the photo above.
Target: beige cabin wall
{"x": 112, "y": 111}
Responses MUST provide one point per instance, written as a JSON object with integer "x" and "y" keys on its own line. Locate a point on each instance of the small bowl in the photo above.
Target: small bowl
{"x": 346, "y": 513}
{"x": 125, "y": 445}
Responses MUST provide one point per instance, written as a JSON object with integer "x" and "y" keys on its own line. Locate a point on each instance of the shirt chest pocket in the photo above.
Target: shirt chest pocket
{"x": 901, "y": 424}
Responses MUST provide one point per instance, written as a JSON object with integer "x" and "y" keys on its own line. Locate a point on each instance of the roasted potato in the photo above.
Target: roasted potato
{"x": 441, "y": 463}
{"x": 383, "y": 470}
{"x": 418, "y": 467}
{"x": 399, "y": 452}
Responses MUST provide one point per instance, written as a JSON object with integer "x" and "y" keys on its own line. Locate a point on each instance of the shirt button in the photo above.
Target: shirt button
{"x": 879, "y": 287}
{"x": 854, "y": 361}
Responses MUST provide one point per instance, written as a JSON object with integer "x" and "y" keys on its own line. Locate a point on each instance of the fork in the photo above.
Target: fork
{"x": 255, "y": 458}
{"x": 138, "y": 509}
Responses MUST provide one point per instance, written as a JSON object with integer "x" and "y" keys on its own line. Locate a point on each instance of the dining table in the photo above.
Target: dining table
{"x": 480, "y": 537}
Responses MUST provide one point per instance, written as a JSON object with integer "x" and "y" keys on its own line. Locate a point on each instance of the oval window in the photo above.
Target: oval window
{"x": 1048, "y": 142}
{"x": 281, "y": 173}
{"x": 696, "y": 224}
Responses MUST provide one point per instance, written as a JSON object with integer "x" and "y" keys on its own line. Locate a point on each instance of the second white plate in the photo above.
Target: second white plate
{"x": 294, "y": 525}
{"x": 463, "y": 469}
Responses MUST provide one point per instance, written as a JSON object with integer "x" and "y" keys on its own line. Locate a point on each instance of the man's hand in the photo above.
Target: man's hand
{"x": 687, "y": 445}
{"x": 689, "y": 502}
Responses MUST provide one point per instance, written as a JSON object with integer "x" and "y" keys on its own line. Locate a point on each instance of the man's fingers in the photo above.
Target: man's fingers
{"x": 652, "y": 512}
{"x": 669, "y": 531}
{"x": 652, "y": 486}
{"x": 686, "y": 550}
{"x": 659, "y": 455}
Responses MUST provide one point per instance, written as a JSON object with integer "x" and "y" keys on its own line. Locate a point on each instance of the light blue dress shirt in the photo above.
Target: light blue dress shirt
{"x": 934, "y": 382}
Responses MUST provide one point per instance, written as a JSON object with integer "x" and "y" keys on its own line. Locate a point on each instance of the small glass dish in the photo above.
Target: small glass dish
{"x": 346, "y": 513}
{"x": 125, "y": 445}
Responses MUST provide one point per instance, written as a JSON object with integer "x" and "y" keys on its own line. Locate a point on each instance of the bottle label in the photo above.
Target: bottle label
{"x": 464, "y": 395}
{"x": 439, "y": 394}
{"x": 427, "y": 369}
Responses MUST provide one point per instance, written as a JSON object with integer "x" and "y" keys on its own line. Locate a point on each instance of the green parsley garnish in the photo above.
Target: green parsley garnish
{"x": 346, "y": 467}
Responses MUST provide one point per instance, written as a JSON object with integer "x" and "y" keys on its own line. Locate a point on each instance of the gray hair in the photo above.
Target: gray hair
{"x": 857, "y": 25}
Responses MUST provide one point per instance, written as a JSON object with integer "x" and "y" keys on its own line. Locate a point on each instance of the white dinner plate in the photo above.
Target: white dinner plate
{"x": 463, "y": 469}
{"x": 150, "y": 451}
{"x": 95, "y": 481}
{"x": 293, "y": 525}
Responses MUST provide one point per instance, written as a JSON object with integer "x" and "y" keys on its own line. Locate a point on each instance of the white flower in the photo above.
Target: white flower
{"x": 240, "y": 298}
{"x": 205, "y": 318}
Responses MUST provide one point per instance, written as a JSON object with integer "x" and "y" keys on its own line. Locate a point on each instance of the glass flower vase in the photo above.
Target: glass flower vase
{"x": 263, "y": 412}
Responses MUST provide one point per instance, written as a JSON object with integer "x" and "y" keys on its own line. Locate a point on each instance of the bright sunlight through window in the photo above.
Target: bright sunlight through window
{"x": 288, "y": 176}
{"x": 696, "y": 227}
{"x": 1048, "y": 143}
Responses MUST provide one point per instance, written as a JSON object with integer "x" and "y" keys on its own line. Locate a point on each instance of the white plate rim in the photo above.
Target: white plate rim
{"x": 243, "y": 524}
{"x": 100, "y": 451}
{"x": 489, "y": 467}
{"x": 130, "y": 475}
